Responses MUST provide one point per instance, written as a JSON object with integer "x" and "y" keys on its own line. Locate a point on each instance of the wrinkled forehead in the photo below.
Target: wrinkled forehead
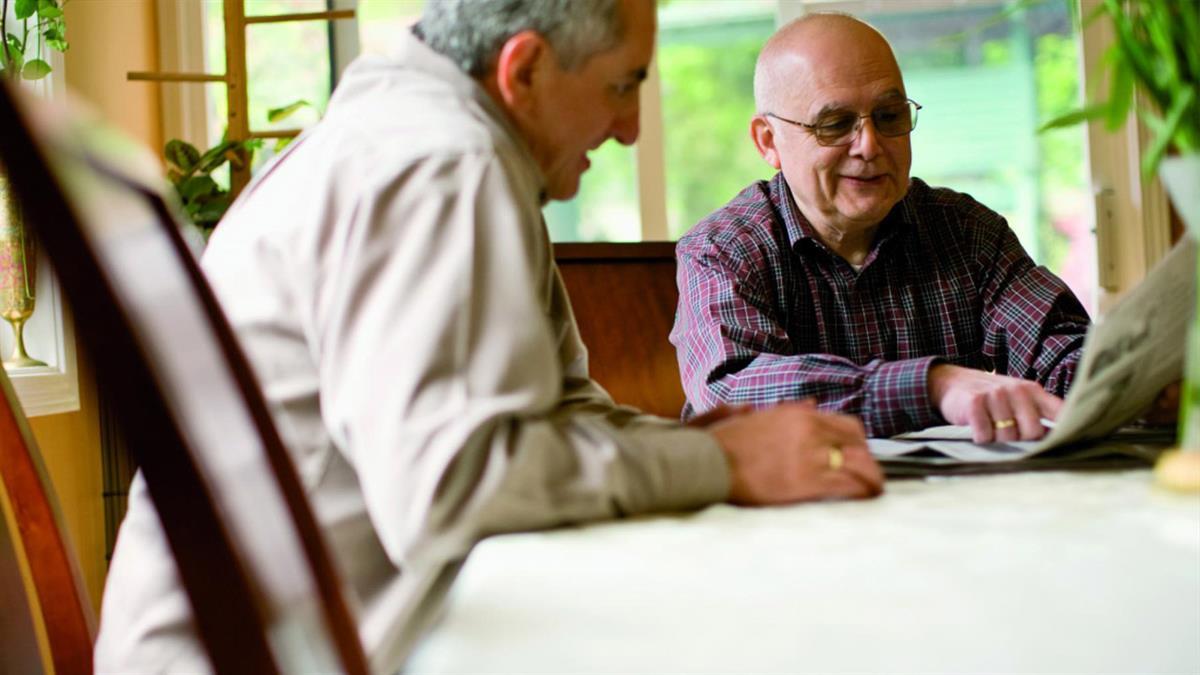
{"x": 860, "y": 75}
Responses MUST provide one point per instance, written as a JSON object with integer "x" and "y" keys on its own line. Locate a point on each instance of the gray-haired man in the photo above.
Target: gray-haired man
{"x": 393, "y": 284}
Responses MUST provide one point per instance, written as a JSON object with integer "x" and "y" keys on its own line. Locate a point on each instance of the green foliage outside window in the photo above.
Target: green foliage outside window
{"x": 708, "y": 99}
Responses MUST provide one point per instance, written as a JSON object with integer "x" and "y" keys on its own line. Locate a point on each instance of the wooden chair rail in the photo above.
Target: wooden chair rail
{"x": 90, "y": 218}
{"x": 65, "y": 612}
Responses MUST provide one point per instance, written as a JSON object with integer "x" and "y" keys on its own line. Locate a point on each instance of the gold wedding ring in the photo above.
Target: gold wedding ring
{"x": 836, "y": 458}
{"x": 1004, "y": 424}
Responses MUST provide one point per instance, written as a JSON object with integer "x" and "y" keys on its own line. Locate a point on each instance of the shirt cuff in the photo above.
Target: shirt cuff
{"x": 898, "y": 398}
{"x": 675, "y": 468}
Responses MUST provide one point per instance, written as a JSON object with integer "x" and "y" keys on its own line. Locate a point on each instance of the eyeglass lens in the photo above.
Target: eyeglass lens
{"x": 840, "y": 126}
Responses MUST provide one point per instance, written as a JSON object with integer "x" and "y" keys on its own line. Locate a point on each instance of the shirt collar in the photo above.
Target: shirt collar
{"x": 898, "y": 221}
{"x": 412, "y": 52}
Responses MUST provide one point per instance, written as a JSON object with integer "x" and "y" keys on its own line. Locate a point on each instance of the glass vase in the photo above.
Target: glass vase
{"x": 18, "y": 275}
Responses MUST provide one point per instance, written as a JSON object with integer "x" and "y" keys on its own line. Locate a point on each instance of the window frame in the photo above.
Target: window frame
{"x": 50, "y": 336}
{"x": 1130, "y": 215}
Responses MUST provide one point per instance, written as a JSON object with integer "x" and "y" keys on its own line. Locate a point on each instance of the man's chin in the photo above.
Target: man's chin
{"x": 562, "y": 190}
{"x": 868, "y": 213}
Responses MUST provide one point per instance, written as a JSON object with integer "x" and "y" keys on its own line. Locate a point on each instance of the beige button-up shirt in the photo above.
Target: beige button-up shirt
{"x": 393, "y": 284}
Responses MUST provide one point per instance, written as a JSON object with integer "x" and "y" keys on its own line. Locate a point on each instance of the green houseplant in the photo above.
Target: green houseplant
{"x": 1156, "y": 52}
{"x": 37, "y": 24}
{"x": 190, "y": 171}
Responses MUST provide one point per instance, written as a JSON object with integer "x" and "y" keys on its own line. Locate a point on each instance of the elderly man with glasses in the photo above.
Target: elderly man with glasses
{"x": 843, "y": 280}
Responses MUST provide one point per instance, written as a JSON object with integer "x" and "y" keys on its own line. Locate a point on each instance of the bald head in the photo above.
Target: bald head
{"x": 831, "y": 74}
{"x": 817, "y": 48}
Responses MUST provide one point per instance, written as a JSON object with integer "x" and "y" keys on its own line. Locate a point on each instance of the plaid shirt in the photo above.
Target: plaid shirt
{"x": 768, "y": 313}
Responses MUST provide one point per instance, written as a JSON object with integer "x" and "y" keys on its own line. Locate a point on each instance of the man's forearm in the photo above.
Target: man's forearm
{"x": 890, "y": 396}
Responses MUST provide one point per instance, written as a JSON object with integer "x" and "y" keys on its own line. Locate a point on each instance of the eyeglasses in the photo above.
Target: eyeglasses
{"x": 841, "y": 127}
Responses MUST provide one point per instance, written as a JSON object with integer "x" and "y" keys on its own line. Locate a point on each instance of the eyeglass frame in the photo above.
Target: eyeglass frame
{"x": 858, "y": 125}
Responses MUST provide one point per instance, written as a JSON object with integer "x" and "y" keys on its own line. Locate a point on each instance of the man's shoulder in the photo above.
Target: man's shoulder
{"x": 935, "y": 205}
{"x": 956, "y": 223}
{"x": 396, "y": 114}
{"x": 746, "y": 220}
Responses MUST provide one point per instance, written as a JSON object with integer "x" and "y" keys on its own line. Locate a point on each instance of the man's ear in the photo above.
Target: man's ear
{"x": 764, "y": 140}
{"x": 517, "y": 68}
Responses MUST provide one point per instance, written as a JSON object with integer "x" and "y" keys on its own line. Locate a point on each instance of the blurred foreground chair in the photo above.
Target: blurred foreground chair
{"x": 264, "y": 592}
{"x": 46, "y": 620}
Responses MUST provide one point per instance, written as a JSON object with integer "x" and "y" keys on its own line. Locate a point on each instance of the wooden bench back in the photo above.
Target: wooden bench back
{"x": 624, "y": 297}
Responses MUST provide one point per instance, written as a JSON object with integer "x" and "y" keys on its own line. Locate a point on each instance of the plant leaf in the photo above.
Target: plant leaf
{"x": 182, "y": 156}
{"x": 1120, "y": 95}
{"x": 282, "y": 143}
{"x": 1091, "y": 112}
{"x": 23, "y": 9}
{"x": 1165, "y": 136}
{"x": 198, "y": 187}
{"x": 16, "y": 54}
{"x": 58, "y": 45}
{"x": 215, "y": 156}
{"x": 1187, "y": 38}
{"x": 49, "y": 9}
{"x": 277, "y": 114}
{"x": 1137, "y": 54}
{"x": 35, "y": 70}
{"x": 212, "y": 211}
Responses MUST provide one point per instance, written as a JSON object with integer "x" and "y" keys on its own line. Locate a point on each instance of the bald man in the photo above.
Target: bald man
{"x": 843, "y": 280}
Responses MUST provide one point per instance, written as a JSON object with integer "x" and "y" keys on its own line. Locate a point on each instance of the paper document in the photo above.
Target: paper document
{"x": 1129, "y": 355}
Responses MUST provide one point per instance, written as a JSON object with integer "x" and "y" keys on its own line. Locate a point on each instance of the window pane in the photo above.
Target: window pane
{"x": 707, "y": 50}
{"x": 606, "y": 208}
{"x": 987, "y": 81}
{"x": 285, "y": 63}
{"x": 381, "y": 22}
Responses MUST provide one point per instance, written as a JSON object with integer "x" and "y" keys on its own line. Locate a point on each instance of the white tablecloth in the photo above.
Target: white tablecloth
{"x": 1019, "y": 573}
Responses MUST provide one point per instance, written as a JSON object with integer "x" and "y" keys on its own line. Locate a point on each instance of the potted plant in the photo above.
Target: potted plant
{"x": 1157, "y": 52}
{"x": 37, "y": 24}
{"x": 203, "y": 199}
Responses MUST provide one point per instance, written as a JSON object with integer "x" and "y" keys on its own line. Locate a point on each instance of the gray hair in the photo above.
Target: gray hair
{"x": 471, "y": 32}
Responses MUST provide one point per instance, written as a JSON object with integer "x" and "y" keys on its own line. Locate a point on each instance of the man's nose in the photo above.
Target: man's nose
{"x": 626, "y": 126}
{"x": 866, "y": 140}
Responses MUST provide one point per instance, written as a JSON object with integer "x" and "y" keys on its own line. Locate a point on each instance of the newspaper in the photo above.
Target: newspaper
{"x": 1129, "y": 355}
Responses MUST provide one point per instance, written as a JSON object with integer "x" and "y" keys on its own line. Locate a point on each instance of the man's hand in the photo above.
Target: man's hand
{"x": 998, "y": 408}
{"x": 793, "y": 453}
{"x": 1164, "y": 411}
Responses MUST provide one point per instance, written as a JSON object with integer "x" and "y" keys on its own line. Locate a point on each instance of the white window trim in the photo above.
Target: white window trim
{"x": 50, "y": 335}
{"x": 651, "y": 159}
{"x": 1131, "y": 216}
{"x": 181, "y": 50}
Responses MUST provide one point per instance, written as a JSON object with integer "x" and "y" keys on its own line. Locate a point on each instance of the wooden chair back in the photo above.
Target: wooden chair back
{"x": 46, "y": 624}
{"x": 247, "y": 546}
{"x": 624, "y": 298}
